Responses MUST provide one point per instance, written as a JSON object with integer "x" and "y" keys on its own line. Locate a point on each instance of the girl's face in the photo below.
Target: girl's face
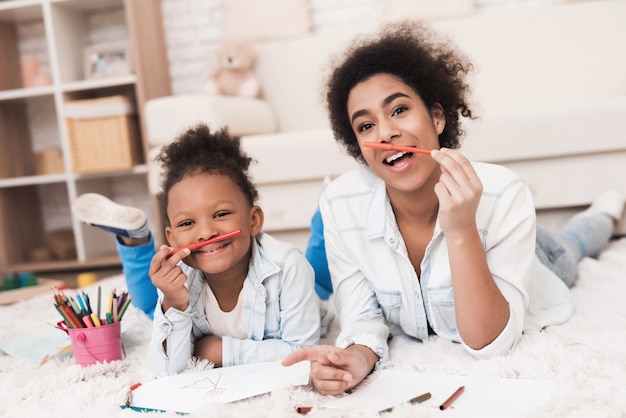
{"x": 203, "y": 206}
{"x": 384, "y": 109}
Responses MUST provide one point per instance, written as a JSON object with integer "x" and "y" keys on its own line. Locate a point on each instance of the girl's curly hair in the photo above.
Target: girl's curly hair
{"x": 197, "y": 151}
{"x": 420, "y": 58}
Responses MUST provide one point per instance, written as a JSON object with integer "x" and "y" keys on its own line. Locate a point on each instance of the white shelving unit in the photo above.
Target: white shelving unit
{"x": 32, "y": 205}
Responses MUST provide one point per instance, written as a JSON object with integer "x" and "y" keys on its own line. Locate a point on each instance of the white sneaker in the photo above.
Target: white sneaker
{"x": 608, "y": 202}
{"x": 97, "y": 210}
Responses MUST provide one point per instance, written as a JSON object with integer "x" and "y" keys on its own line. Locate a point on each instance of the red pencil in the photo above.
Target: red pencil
{"x": 452, "y": 398}
{"x": 201, "y": 244}
{"x": 380, "y": 145}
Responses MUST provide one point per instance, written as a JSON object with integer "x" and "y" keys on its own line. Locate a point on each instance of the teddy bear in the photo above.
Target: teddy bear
{"x": 233, "y": 76}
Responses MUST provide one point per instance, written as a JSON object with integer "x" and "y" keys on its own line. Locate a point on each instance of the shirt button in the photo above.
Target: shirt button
{"x": 420, "y": 329}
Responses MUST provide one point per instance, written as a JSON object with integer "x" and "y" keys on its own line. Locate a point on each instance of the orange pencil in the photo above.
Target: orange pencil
{"x": 62, "y": 313}
{"x": 380, "y": 145}
{"x": 69, "y": 314}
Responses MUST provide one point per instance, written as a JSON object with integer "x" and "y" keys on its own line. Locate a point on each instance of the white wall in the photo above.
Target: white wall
{"x": 193, "y": 27}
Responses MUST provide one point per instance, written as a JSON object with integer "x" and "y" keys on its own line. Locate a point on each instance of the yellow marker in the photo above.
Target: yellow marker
{"x": 95, "y": 319}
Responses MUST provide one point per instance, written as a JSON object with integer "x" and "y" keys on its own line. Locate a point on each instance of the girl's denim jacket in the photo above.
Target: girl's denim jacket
{"x": 281, "y": 309}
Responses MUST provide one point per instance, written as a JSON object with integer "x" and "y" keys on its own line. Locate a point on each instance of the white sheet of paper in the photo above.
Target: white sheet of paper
{"x": 34, "y": 347}
{"x": 187, "y": 392}
{"x": 482, "y": 397}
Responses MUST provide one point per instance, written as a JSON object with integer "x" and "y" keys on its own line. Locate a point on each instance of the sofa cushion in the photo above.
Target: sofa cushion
{"x": 167, "y": 117}
{"x": 289, "y": 173}
{"x": 294, "y": 156}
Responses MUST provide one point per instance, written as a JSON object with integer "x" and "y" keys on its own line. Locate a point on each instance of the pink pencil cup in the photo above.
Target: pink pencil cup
{"x": 97, "y": 344}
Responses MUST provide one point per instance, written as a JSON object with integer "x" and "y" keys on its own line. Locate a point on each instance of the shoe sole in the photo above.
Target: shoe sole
{"x": 95, "y": 209}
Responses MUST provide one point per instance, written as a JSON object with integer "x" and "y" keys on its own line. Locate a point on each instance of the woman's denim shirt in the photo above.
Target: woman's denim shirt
{"x": 281, "y": 309}
{"x": 378, "y": 292}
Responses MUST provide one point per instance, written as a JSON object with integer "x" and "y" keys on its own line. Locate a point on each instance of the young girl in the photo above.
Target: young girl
{"x": 431, "y": 243}
{"x": 247, "y": 298}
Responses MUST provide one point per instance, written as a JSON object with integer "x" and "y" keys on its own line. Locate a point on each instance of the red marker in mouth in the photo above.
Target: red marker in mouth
{"x": 380, "y": 145}
{"x": 201, "y": 244}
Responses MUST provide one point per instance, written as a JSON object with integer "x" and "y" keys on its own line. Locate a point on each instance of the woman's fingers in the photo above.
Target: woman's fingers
{"x": 459, "y": 190}
{"x": 329, "y": 380}
{"x": 318, "y": 353}
{"x": 328, "y": 375}
{"x": 457, "y": 171}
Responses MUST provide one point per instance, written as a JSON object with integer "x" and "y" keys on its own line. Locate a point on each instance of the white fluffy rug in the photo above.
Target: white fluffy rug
{"x": 586, "y": 357}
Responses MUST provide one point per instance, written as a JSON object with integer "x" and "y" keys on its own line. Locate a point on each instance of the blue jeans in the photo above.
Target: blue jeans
{"x": 580, "y": 237}
{"x": 316, "y": 255}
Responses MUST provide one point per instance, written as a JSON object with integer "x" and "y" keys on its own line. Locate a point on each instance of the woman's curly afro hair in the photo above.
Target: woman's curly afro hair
{"x": 420, "y": 58}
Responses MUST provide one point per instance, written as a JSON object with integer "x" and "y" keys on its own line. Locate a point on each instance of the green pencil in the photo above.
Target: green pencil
{"x": 126, "y": 303}
{"x": 67, "y": 322}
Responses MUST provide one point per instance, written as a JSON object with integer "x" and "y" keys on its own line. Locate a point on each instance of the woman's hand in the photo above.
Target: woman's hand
{"x": 335, "y": 370}
{"x": 481, "y": 310}
{"x": 167, "y": 275}
{"x": 459, "y": 191}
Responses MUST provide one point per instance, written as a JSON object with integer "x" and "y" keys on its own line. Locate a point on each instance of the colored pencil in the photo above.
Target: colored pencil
{"x": 99, "y": 297}
{"x": 95, "y": 320}
{"x": 446, "y": 404}
{"x": 201, "y": 244}
{"x": 390, "y": 147}
{"x": 123, "y": 310}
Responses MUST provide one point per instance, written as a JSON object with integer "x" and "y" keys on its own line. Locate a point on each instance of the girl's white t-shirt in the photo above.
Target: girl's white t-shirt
{"x": 232, "y": 324}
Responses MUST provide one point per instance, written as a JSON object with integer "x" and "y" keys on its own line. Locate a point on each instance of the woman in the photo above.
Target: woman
{"x": 431, "y": 243}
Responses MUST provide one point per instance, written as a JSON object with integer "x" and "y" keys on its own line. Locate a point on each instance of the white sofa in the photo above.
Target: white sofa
{"x": 550, "y": 87}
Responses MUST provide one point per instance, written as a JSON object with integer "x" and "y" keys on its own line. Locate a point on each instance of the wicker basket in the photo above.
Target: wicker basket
{"x": 103, "y": 134}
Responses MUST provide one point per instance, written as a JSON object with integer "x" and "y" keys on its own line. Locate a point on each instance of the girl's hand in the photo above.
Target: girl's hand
{"x": 209, "y": 347}
{"x": 459, "y": 191}
{"x": 167, "y": 275}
